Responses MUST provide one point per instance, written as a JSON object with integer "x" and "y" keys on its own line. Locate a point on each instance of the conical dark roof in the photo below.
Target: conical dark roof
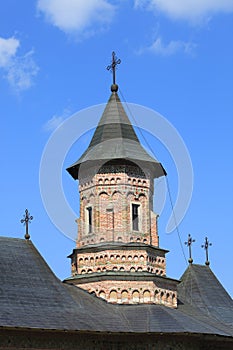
{"x": 115, "y": 139}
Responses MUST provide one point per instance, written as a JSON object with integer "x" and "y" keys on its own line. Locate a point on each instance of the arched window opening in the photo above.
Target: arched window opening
{"x": 136, "y": 296}
{"x": 113, "y": 296}
{"x": 102, "y": 294}
{"x": 146, "y": 296}
{"x": 89, "y": 219}
{"x": 124, "y": 296}
{"x": 156, "y": 296}
{"x": 135, "y": 216}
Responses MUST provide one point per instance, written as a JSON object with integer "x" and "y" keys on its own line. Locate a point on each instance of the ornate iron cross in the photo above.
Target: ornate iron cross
{"x": 27, "y": 219}
{"x": 112, "y": 66}
{"x": 206, "y": 246}
{"x": 189, "y": 244}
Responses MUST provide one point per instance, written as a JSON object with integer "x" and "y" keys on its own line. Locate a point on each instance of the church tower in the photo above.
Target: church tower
{"x": 117, "y": 255}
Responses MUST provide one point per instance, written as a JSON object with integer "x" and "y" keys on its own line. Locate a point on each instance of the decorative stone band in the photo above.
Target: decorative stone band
{"x": 119, "y": 260}
{"x": 123, "y": 288}
{"x": 117, "y": 256}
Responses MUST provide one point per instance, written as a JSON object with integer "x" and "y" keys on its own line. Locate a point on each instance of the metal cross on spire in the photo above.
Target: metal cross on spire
{"x": 112, "y": 67}
{"x": 27, "y": 219}
{"x": 206, "y": 246}
{"x": 189, "y": 244}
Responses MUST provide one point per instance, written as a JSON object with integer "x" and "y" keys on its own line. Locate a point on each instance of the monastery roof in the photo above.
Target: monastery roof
{"x": 115, "y": 139}
{"x": 32, "y": 296}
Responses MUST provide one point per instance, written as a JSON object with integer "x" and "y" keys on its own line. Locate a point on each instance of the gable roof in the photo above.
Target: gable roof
{"x": 32, "y": 296}
{"x": 115, "y": 139}
{"x": 201, "y": 290}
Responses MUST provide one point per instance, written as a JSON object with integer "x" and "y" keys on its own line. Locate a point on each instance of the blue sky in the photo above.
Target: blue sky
{"x": 177, "y": 59}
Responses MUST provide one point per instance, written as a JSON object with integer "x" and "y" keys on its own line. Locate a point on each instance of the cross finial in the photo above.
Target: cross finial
{"x": 112, "y": 68}
{"x": 27, "y": 219}
{"x": 189, "y": 244}
{"x": 206, "y": 246}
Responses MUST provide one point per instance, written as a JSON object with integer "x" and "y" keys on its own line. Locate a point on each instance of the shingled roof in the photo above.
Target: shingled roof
{"x": 31, "y": 296}
{"x": 201, "y": 294}
{"x": 115, "y": 139}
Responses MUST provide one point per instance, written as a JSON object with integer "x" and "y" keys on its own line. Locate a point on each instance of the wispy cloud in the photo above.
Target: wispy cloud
{"x": 19, "y": 71}
{"x": 56, "y": 120}
{"x": 191, "y": 10}
{"x": 172, "y": 48}
{"x": 82, "y": 18}
{"x": 8, "y": 48}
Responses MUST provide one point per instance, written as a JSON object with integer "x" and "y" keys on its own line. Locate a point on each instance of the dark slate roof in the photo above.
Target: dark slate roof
{"x": 31, "y": 296}
{"x": 115, "y": 138}
{"x": 201, "y": 291}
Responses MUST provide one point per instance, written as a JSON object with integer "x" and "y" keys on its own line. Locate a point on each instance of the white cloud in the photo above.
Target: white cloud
{"x": 8, "y": 48}
{"x": 193, "y": 10}
{"x": 56, "y": 120}
{"x": 19, "y": 71}
{"x": 173, "y": 47}
{"x": 77, "y": 16}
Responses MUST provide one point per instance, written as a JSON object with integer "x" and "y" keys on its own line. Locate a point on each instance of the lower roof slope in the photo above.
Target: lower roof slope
{"x": 31, "y": 296}
{"x": 201, "y": 293}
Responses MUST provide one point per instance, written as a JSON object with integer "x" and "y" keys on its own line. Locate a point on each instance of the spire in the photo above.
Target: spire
{"x": 115, "y": 139}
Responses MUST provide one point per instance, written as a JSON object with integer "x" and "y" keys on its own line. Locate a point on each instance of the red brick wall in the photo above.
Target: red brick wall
{"x": 132, "y": 292}
{"x": 111, "y": 195}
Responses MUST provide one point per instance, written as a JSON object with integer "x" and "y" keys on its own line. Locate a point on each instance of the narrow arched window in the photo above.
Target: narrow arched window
{"x": 135, "y": 217}
{"x": 89, "y": 219}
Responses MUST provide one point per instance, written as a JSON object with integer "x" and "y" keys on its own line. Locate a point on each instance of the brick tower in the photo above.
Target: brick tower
{"x": 117, "y": 256}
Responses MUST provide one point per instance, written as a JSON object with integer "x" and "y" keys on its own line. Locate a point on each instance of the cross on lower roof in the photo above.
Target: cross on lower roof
{"x": 27, "y": 219}
{"x": 112, "y": 67}
{"x": 206, "y": 246}
{"x": 189, "y": 244}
